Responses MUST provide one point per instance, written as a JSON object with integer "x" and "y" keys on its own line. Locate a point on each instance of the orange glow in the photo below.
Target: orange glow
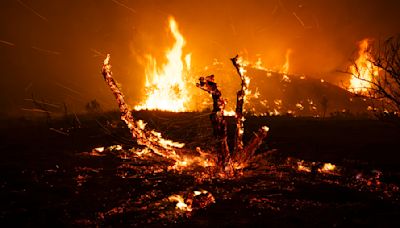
{"x": 245, "y": 78}
{"x": 259, "y": 65}
{"x": 363, "y": 71}
{"x": 151, "y": 139}
{"x": 181, "y": 205}
{"x": 304, "y": 169}
{"x": 327, "y": 168}
{"x": 285, "y": 68}
{"x": 154, "y": 142}
{"x": 165, "y": 86}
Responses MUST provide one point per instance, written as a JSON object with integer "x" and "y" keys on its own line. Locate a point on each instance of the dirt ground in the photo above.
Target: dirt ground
{"x": 49, "y": 177}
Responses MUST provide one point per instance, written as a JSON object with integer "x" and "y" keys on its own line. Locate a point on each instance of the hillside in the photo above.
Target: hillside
{"x": 301, "y": 95}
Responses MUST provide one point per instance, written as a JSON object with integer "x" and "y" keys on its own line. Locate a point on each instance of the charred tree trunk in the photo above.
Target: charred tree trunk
{"x": 239, "y": 117}
{"x": 243, "y": 154}
{"x": 217, "y": 117}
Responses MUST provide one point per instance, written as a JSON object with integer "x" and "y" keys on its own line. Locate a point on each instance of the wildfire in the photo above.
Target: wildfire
{"x": 149, "y": 138}
{"x": 165, "y": 86}
{"x": 363, "y": 71}
{"x": 154, "y": 141}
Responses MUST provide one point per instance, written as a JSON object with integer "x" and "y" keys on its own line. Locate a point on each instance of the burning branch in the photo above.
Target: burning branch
{"x": 242, "y": 155}
{"x": 240, "y": 98}
{"x": 243, "y": 158}
{"x": 150, "y": 139}
{"x": 217, "y": 116}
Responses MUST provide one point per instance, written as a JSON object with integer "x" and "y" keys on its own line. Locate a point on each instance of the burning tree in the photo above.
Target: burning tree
{"x": 240, "y": 155}
{"x": 217, "y": 116}
{"x": 224, "y": 160}
{"x": 376, "y": 72}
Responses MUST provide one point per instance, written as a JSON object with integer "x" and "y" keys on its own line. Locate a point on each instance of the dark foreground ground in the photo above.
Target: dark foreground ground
{"x": 50, "y": 178}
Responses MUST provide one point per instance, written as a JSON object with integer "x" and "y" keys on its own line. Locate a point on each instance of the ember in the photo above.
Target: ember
{"x": 180, "y": 203}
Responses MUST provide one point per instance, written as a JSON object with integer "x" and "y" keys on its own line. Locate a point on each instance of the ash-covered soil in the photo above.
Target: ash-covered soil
{"x": 52, "y": 176}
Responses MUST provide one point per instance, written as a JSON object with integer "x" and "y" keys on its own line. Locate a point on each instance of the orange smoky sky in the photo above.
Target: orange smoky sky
{"x": 53, "y": 50}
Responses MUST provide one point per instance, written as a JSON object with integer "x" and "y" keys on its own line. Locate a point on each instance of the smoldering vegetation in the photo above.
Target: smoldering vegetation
{"x": 54, "y": 175}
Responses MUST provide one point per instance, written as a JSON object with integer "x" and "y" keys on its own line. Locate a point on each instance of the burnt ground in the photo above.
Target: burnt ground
{"x": 47, "y": 179}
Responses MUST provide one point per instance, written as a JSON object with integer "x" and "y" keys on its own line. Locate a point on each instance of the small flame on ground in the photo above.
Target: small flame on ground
{"x": 327, "y": 168}
{"x": 299, "y": 106}
{"x": 99, "y": 149}
{"x": 265, "y": 128}
{"x": 301, "y": 167}
{"x": 199, "y": 192}
{"x": 229, "y": 113}
{"x": 181, "y": 205}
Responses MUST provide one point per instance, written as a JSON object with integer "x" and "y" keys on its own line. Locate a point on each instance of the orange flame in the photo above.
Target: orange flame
{"x": 181, "y": 205}
{"x": 363, "y": 71}
{"x": 301, "y": 167}
{"x": 245, "y": 78}
{"x": 285, "y": 68}
{"x": 151, "y": 139}
{"x": 327, "y": 168}
{"x": 166, "y": 87}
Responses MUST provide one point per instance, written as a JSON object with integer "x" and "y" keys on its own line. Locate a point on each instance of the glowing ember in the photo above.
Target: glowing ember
{"x": 301, "y": 167}
{"x": 327, "y": 168}
{"x": 99, "y": 149}
{"x": 363, "y": 71}
{"x": 165, "y": 86}
{"x": 259, "y": 65}
{"x": 229, "y": 113}
{"x": 299, "y": 106}
{"x": 194, "y": 200}
{"x": 199, "y": 192}
{"x": 115, "y": 147}
{"x": 242, "y": 64}
{"x": 181, "y": 205}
